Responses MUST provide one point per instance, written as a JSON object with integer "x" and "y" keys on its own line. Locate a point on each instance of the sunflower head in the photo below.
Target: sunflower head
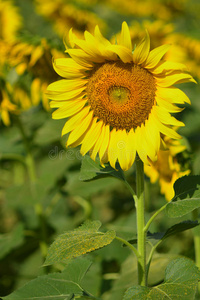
{"x": 117, "y": 101}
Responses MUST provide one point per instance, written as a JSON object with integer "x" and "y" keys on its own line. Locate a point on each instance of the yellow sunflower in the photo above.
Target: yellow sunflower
{"x": 6, "y": 107}
{"x": 167, "y": 169}
{"x": 10, "y": 21}
{"x": 118, "y": 101}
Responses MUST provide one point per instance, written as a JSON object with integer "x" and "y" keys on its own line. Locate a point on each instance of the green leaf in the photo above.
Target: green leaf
{"x": 12, "y": 240}
{"x": 74, "y": 243}
{"x": 187, "y": 197}
{"x": 91, "y": 170}
{"x": 177, "y": 228}
{"x": 181, "y": 279}
{"x": 55, "y": 286}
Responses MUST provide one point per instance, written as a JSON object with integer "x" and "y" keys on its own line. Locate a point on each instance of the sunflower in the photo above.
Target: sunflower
{"x": 117, "y": 101}
{"x": 10, "y": 21}
{"x": 6, "y": 107}
{"x": 167, "y": 168}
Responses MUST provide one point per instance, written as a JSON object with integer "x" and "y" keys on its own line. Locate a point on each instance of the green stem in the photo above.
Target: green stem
{"x": 153, "y": 217}
{"x": 141, "y": 235}
{"x": 151, "y": 255}
{"x": 131, "y": 191}
{"x": 128, "y": 244}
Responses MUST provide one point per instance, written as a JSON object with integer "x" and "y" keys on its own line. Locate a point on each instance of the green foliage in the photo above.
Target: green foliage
{"x": 91, "y": 170}
{"x": 33, "y": 211}
{"x": 10, "y": 241}
{"x": 175, "y": 229}
{"x": 56, "y": 285}
{"x": 181, "y": 278}
{"x": 187, "y": 197}
{"x": 72, "y": 244}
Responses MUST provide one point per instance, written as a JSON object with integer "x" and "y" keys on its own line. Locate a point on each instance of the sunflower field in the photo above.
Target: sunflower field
{"x": 99, "y": 149}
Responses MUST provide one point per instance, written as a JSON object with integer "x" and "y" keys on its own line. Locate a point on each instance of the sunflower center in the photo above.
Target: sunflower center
{"x": 121, "y": 95}
{"x": 118, "y": 94}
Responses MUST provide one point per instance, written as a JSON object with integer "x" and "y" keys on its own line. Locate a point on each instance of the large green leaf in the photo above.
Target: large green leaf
{"x": 93, "y": 170}
{"x": 181, "y": 279}
{"x": 74, "y": 243}
{"x": 187, "y": 197}
{"x": 55, "y": 286}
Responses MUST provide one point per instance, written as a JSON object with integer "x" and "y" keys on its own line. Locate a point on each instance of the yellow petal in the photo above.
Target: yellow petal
{"x": 65, "y": 85}
{"x": 124, "y": 54}
{"x": 67, "y": 95}
{"x": 152, "y": 134}
{"x": 68, "y": 68}
{"x": 141, "y": 52}
{"x": 75, "y": 120}
{"x": 98, "y": 143}
{"x": 90, "y": 49}
{"x": 68, "y": 109}
{"x": 166, "y": 130}
{"x": 122, "y": 149}
{"x": 37, "y": 53}
{"x": 168, "y": 106}
{"x": 72, "y": 37}
{"x": 5, "y": 117}
{"x": 56, "y": 104}
{"x": 172, "y": 95}
{"x": 35, "y": 91}
{"x": 112, "y": 148}
{"x": 81, "y": 58}
{"x": 141, "y": 145}
{"x": 165, "y": 117}
{"x": 104, "y": 145}
{"x": 93, "y": 42}
{"x": 168, "y": 66}
{"x": 151, "y": 148}
{"x": 151, "y": 172}
{"x": 80, "y": 130}
{"x": 171, "y": 79}
{"x": 100, "y": 37}
{"x": 91, "y": 137}
{"x": 155, "y": 56}
{"x": 131, "y": 148}
{"x": 125, "y": 38}
{"x": 126, "y": 149}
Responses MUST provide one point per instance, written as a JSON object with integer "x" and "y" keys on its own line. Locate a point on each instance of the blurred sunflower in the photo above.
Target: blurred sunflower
{"x": 66, "y": 14}
{"x": 160, "y": 9}
{"x": 14, "y": 99}
{"x": 37, "y": 60}
{"x": 118, "y": 101}
{"x": 6, "y": 107}
{"x": 10, "y": 21}
{"x": 167, "y": 168}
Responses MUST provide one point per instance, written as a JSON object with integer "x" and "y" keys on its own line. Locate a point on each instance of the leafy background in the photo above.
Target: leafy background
{"x": 34, "y": 212}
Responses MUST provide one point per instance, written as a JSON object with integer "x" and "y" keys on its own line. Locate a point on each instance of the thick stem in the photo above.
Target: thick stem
{"x": 141, "y": 235}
